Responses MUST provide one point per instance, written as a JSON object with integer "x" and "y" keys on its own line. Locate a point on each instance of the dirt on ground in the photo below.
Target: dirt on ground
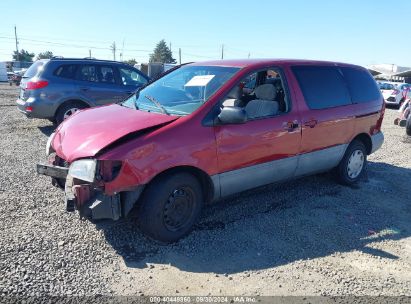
{"x": 309, "y": 236}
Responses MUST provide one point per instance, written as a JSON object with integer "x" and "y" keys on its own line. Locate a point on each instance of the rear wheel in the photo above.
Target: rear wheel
{"x": 170, "y": 206}
{"x": 401, "y": 102}
{"x": 68, "y": 109}
{"x": 352, "y": 166}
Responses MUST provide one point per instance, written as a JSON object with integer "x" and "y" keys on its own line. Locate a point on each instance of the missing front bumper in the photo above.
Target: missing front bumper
{"x": 91, "y": 203}
{"x": 90, "y": 199}
{"x": 94, "y": 204}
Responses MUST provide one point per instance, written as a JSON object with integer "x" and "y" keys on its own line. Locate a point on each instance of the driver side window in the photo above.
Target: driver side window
{"x": 260, "y": 94}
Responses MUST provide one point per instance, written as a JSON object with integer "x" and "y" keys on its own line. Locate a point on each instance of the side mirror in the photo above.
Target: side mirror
{"x": 232, "y": 115}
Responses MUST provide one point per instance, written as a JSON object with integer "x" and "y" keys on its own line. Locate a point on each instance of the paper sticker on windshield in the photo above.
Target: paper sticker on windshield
{"x": 199, "y": 81}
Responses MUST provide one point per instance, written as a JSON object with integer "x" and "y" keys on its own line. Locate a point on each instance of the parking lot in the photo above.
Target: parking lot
{"x": 310, "y": 236}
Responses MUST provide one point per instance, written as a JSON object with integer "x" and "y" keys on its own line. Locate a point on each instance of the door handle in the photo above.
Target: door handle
{"x": 290, "y": 125}
{"x": 311, "y": 123}
{"x": 84, "y": 88}
{"x": 129, "y": 92}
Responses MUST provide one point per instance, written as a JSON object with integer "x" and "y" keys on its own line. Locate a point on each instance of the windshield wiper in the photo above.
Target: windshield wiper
{"x": 159, "y": 105}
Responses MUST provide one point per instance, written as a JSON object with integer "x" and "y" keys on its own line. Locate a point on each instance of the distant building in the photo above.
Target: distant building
{"x": 391, "y": 72}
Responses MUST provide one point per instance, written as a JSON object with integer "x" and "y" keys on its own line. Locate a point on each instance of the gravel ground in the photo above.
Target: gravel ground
{"x": 305, "y": 237}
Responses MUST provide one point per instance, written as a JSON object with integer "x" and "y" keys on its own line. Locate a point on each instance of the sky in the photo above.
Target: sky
{"x": 354, "y": 31}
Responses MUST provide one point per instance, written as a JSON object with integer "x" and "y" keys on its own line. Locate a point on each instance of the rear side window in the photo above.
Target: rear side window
{"x": 107, "y": 74}
{"x": 34, "y": 69}
{"x": 362, "y": 86}
{"x": 66, "y": 71}
{"x": 88, "y": 73}
{"x": 322, "y": 86}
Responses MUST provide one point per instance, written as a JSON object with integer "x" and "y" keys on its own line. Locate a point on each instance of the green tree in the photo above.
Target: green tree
{"x": 23, "y": 56}
{"x": 45, "y": 55}
{"x": 131, "y": 62}
{"x": 162, "y": 53}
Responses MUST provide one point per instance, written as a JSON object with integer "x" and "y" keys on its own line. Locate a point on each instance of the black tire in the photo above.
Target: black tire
{"x": 61, "y": 112}
{"x": 158, "y": 217}
{"x": 344, "y": 171}
{"x": 408, "y": 126}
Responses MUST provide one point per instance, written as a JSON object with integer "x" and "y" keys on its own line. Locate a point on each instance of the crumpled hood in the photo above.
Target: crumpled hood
{"x": 87, "y": 132}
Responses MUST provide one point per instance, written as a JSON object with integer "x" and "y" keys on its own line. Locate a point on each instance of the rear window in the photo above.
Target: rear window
{"x": 386, "y": 86}
{"x": 322, "y": 86}
{"x": 361, "y": 85}
{"x": 66, "y": 71}
{"x": 34, "y": 69}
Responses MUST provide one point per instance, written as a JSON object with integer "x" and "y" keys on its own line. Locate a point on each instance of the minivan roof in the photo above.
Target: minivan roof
{"x": 241, "y": 63}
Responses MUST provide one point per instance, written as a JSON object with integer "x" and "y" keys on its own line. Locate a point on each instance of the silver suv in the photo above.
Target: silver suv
{"x": 56, "y": 88}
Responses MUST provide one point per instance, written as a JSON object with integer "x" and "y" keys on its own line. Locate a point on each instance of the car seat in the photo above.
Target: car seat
{"x": 265, "y": 104}
{"x": 234, "y": 98}
{"x": 108, "y": 77}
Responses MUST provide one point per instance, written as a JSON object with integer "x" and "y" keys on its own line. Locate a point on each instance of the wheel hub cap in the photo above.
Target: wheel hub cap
{"x": 70, "y": 112}
{"x": 355, "y": 164}
{"x": 178, "y": 209}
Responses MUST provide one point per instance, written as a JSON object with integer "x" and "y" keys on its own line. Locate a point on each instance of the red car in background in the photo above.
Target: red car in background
{"x": 16, "y": 77}
{"x": 404, "y": 117}
{"x": 211, "y": 129}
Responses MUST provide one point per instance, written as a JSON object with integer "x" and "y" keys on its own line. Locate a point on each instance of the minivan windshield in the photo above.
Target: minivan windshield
{"x": 34, "y": 69}
{"x": 182, "y": 91}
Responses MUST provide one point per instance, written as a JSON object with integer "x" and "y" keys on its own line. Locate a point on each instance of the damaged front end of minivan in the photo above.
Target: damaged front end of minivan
{"x": 97, "y": 186}
{"x": 89, "y": 185}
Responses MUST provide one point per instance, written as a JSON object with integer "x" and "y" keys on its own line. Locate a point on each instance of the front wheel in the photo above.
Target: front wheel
{"x": 408, "y": 125}
{"x": 352, "y": 166}
{"x": 170, "y": 206}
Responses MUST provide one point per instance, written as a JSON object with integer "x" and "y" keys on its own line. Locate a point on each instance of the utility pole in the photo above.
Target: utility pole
{"x": 17, "y": 43}
{"x": 249, "y": 55}
{"x": 113, "y": 49}
{"x": 222, "y": 51}
{"x": 122, "y": 52}
{"x": 179, "y": 55}
{"x": 89, "y": 53}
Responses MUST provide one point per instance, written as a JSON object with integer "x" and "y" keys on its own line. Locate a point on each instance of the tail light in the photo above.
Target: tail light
{"x": 379, "y": 121}
{"x": 36, "y": 84}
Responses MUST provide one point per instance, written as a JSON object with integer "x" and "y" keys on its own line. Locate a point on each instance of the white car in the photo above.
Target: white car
{"x": 393, "y": 93}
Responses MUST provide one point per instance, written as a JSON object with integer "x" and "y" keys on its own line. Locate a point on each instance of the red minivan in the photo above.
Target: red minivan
{"x": 211, "y": 129}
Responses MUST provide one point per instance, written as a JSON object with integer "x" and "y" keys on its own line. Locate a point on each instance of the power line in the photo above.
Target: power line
{"x": 198, "y": 56}
{"x": 72, "y": 45}
{"x": 111, "y": 48}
